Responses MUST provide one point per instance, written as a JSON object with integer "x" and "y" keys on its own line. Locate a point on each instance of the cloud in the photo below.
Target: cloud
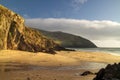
{"x": 79, "y": 1}
{"x": 76, "y": 4}
{"x": 107, "y": 43}
{"x": 26, "y": 16}
{"x": 97, "y": 31}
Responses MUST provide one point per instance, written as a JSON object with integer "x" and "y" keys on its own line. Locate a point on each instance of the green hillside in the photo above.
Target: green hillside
{"x": 68, "y": 40}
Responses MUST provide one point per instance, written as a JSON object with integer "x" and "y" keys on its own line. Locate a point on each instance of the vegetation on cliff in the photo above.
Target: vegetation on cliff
{"x": 68, "y": 40}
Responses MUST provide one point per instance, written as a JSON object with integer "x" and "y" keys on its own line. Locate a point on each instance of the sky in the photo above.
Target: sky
{"x": 96, "y": 20}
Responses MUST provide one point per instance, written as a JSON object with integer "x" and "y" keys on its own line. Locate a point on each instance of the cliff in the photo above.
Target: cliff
{"x": 68, "y": 40}
{"x": 14, "y": 35}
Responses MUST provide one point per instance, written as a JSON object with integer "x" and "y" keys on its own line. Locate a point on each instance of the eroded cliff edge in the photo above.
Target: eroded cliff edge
{"x": 14, "y": 35}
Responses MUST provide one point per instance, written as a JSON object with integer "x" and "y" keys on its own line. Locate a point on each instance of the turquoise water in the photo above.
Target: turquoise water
{"x": 113, "y": 51}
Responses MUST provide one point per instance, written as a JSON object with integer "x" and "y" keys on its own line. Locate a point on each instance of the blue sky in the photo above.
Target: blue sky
{"x": 96, "y": 20}
{"x": 75, "y": 9}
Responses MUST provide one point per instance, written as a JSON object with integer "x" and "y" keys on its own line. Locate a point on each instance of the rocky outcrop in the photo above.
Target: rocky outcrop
{"x": 15, "y": 35}
{"x": 68, "y": 40}
{"x": 111, "y": 72}
{"x": 87, "y": 73}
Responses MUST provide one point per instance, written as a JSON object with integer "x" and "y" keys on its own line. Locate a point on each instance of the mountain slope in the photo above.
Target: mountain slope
{"x": 15, "y": 35}
{"x": 68, "y": 40}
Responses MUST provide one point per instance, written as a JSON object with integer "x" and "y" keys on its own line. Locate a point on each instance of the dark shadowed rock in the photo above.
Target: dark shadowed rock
{"x": 111, "y": 72}
{"x": 87, "y": 73}
{"x": 15, "y": 35}
{"x": 28, "y": 78}
{"x": 100, "y": 74}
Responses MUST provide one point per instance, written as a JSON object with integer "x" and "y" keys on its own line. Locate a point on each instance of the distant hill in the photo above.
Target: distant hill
{"x": 14, "y": 35}
{"x": 68, "y": 40}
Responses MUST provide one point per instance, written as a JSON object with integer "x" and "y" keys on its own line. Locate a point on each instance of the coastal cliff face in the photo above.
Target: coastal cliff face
{"x": 15, "y": 35}
{"x": 68, "y": 40}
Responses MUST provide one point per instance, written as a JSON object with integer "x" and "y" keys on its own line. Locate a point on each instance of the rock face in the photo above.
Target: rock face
{"x": 111, "y": 72}
{"x": 69, "y": 40}
{"x": 87, "y": 73}
{"x": 15, "y": 35}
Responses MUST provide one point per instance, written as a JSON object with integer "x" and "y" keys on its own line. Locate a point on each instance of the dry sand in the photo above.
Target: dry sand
{"x": 91, "y": 56}
{"x": 35, "y": 58}
{"x": 65, "y": 65}
{"x": 62, "y": 57}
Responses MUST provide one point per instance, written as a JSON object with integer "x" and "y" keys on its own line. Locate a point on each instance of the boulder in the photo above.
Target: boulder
{"x": 87, "y": 73}
{"x": 111, "y": 72}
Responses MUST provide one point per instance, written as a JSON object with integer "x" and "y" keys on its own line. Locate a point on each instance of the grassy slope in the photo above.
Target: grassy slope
{"x": 68, "y": 40}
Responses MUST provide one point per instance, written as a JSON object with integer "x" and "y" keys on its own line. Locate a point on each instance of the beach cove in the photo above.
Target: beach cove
{"x": 62, "y": 66}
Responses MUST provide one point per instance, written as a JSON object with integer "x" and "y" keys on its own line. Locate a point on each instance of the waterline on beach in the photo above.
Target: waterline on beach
{"x": 112, "y": 51}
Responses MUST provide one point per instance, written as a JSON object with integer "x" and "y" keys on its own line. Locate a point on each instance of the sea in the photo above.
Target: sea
{"x": 113, "y": 51}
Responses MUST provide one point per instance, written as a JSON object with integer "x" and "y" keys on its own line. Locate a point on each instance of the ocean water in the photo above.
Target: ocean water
{"x": 113, "y": 51}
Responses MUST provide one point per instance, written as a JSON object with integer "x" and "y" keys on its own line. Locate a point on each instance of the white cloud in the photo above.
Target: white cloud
{"x": 79, "y": 1}
{"x": 26, "y": 16}
{"x": 76, "y": 4}
{"x": 107, "y": 43}
{"x": 97, "y": 31}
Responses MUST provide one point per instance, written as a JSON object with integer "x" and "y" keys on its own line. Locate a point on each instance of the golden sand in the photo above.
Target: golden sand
{"x": 62, "y": 57}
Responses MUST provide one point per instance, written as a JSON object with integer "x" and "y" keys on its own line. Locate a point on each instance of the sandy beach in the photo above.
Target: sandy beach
{"x": 65, "y": 65}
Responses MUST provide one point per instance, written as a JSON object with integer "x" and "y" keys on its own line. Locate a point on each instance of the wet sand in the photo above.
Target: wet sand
{"x": 16, "y": 71}
{"x": 19, "y": 65}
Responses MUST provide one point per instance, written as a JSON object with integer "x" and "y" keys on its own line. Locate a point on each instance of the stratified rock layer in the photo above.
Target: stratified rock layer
{"x": 15, "y": 35}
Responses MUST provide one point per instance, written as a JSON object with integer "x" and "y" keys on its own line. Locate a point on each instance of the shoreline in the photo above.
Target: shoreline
{"x": 100, "y": 57}
{"x": 98, "y": 50}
